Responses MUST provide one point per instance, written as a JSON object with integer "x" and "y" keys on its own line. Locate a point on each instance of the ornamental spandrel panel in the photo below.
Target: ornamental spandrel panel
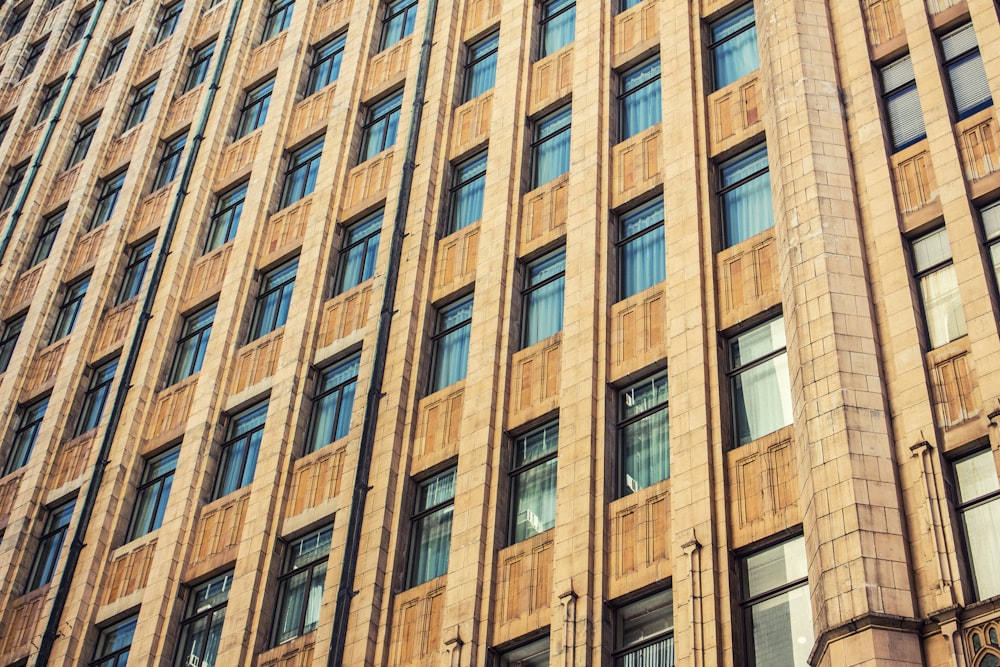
{"x": 217, "y": 533}
{"x": 640, "y": 539}
{"x": 747, "y": 278}
{"x": 535, "y": 373}
{"x": 367, "y": 184}
{"x": 128, "y": 572}
{"x": 636, "y": 29}
{"x": 979, "y": 143}
{"x": 471, "y": 127}
{"x": 316, "y": 478}
{"x": 416, "y": 629}
{"x": 311, "y": 114}
{"x": 388, "y": 68}
{"x": 345, "y": 314}
{"x": 764, "y": 478}
{"x": 551, "y": 80}
{"x": 455, "y": 264}
{"x": 330, "y": 18}
{"x": 523, "y": 587}
{"x": 264, "y": 59}
{"x": 636, "y": 165}
{"x": 20, "y": 622}
{"x": 734, "y": 114}
{"x": 71, "y": 460}
{"x": 439, "y": 424}
{"x": 638, "y": 331}
{"x": 543, "y": 215}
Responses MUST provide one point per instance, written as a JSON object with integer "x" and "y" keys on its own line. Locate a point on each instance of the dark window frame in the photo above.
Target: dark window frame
{"x": 301, "y": 173}
{"x": 135, "y": 271}
{"x": 527, "y": 289}
{"x": 95, "y": 398}
{"x": 212, "y": 611}
{"x": 383, "y": 115}
{"x": 623, "y": 422}
{"x": 228, "y": 210}
{"x": 50, "y": 94}
{"x": 334, "y": 397}
{"x": 517, "y": 470}
{"x": 442, "y": 333}
{"x": 15, "y": 177}
{"x": 246, "y": 445}
{"x": 390, "y": 35}
{"x": 476, "y": 59}
{"x": 50, "y": 543}
{"x": 107, "y": 199}
{"x": 324, "y": 68}
{"x": 899, "y": 91}
{"x": 152, "y": 494}
{"x": 194, "y": 334}
{"x": 417, "y": 518}
{"x": 201, "y": 58}
{"x": 73, "y": 295}
{"x": 167, "y": 24}
{"x": 170, "y": 161}
{"x": 633, "y": 653}
{"x": 733, "y": 371}
{"x": 366, "y": 269}
{"x": 142, "y": 97}
{"x": 625, "y": 92}
{"x": 716, "y": 43}
{"x": 29, "y": 421}
{"x": 111, "y": 656}
{"x": 552, "y": 134}
{"x": 545, "y": 19}
{"x": 8, "y": 339}
{"x": 948, "y": 64}
{"x": 268, "y": 314}
{"x": 113, "y": 58}
{"x": 463, "y": 183}
{"x": 16, "y": 19}
{"x": 962, "y": 506}
{"x": 922, "y": 272}
{"x": 277, "y": 19}
{"x": 81, "y": 143}
{"x": 47, "y": 237}
{"x": 724, "y": 190}
{"x": 623, "y": 241}
{"x": 314, "y": 569}
{"x": 79, "y": 25}
{"x": 31, "y": 58}
{"x": 253, "y": 113}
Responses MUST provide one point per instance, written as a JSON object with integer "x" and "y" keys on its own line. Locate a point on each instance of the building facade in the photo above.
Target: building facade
{"x": 500, "y": 332}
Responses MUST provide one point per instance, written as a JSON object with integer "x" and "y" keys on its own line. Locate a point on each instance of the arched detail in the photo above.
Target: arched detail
{"x": 989, "y": 658}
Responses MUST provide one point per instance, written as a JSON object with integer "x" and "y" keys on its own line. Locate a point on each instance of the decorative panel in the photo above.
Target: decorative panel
{"x": 111, "y": 329}
{"x": 416, "y": 629}
{"x": 85, "y": 251}
{"x": 635, "y": 26}
{"x": 638, "y": 331}
{"x": 120, "y": 151}
{"x": 98, "y": 95}
{"x": 544, "y": 214}
{"x": 23, "y": 290}
{"x": 127, "y": 573}
{"x": 640, "y": 538}
{"x": 264, "y": 59}
{"x": 914, "y": 178}
{"x": 256, "y": 361}
{"x": 285, "y": 230}
{"x": 181, "y": 112}
{"x": 62, "y": 187}
{"x": 330, "y": 17}
{"x": 883, "y": 20}
{"x": 8, "y": 492}
{"x": 126, "y": 17}
{"x": 368, "y": 182}
{"x": 151, "y": 213}
{"x": 982, "y": 643}
{"x": 481, "y": 15}
{"x": 296, "y": 653}
{"x": 152, "y": 61}
{"x": 219, "y": 530}
{"x": 19, "y": 623}
{"x": 71, "y": 460}
{"x": 171, "y": 408}
{"x": 388, "y": 67}
{"x": 551, "y": 79}
{"x": 439, "y": 423}
{"x": 471, "y": 128}
{"x": 535, "y": 380}
{"x": 636, "y": 165}
{"x": 12, "y": 95}
{"x": 345, "y": 313}
{"x": 62, "y": 62}
{"x": 29, "y": 142}
{"x": 747, "y": 275}
{"x": 953, "y": 384}
{"x": 763, "y": 475}
{"x": 207, "y": 275}
{"x": 456, "y": 260}
{"x": 523, "y": 588}
{"x": 311, "y": 113}
{"x": 734, "y": 113}
{"x": 210, "y": 23}
{"x": 239, "y": 156}
{"x": 316, "y": 478}
{"x": 45, "y": 367}
{"x": 979, "y": 144}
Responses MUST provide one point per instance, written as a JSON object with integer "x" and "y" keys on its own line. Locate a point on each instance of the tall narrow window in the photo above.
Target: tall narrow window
{"x": 397, "y": 22}
{"x": 25, "y": 434}
{"x": 379, "y": 131}
{"x": 50, "y": 93}
{"x": 639, "y": 100}
{"x": 300, "y": 177}
{"x": 939, "y": 295}
{"x": 991, "y": 227}
{"x": 5, "y": 125}
{"x": 141, "y": 98}
{"x": 271, "y": 308}
{"x": 467, "y": 193}
{"x": 79, "y": 26}
{"x": 279, "y": 16}
{"x": 450, "y": 357}
{"x": 481, "y": 67}
{"x": 332, "y": 404}
{"x": 644, "y": 632}
{"x": 191, "y": 345}
{"x": 300, "y": 587}
{"x": 359, "y": 253}
{"x": 745, "y": 195}
{"x": 430, "y": 537}
{"x": 96, "y": 396}
{"x": 113, "y": 59}
{"x": 200, "y": 60}
{"x": 642, "y": 249}
{"x": 254, "y": 111}
{"x": 970, "y": 89}
{"x": 777, "y": 613}
{"x": 170, "y": 160}
{"x": 542, "y": 298}
{"x": 225, "y": 217}
{"x": 153, "y": 493}
{"x": 201, "y": 629}
{"x": 169, "y": 17}
{"x": 644, "y": 433}
{"x": 979, "y": 505}
{"x": 238, "y": 458}
{"x": 550, "y": 148}
{"x": 902, "y": 104}
{"x": 8, "y": 340}
{"x": 49, "y": 545}
{"x": 734, "y": 46}
{"x": 14, "y": 179}
{"x": 759, "y": 385}
{"x": 557, "y": 25}
{"x": 533, "y": 482}
{"x": 70, "y": 308}
{"x": 81, "y": 144}
{"x": 114, "y": 644}
{"x": 47, "y": 237}
{"x": 31, "y": 58}
{"x": 135, "y": 270}
{"x": 107, "y": 199}
{"x": 325, "y": 66}
{"x": 16, "y": 20}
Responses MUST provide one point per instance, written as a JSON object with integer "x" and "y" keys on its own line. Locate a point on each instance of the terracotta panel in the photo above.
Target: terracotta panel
{"x": 120, "y": 151}
{"x": 71, "y": 460}
{"x": 544, "y": 214}
{"x": 316, "y": 478}
{"x": 388, "y": 67}
{"x": 914, "y": 178}
{"x": 207, "y": 275}
{"x": 152, "y": 61}
{"x": 20, "y": 622}
{"x": 45, "y": 367}
{"x": 636, "y": 165}
{"x": 523, "y": 586}
{"x": 151, "y": 213}
{"x": 12, "y": 95}
{"x": 535, "y": 380}
{"x": 85, "y": 251}
{"x": 62, "y": 62}
{"x": 368, "y": 182}
{"x": 640, "y": 538}
{"x": 210, "y": 23}
{"x": 551, "y": 79}
{"x": 747, "y": 275}
{"x": 345, "y": 313}
{"x": 171, "y": 408}
{"x": 883, "y": 20}
{"x": 439, "y": 423}
{"x": 126, "y": 17}
{"x": 286, "y": 228}
{"x": 330, "y": 17}
{"x": 29, "y": 142}
{"x": 112, "y": 328}
{"x": 638, "y": 328}
{"x": 62, "y": 187}
{"x": 982, "y": 641}
{"x": 416, "y": 629}
{"x": 181, "y": 112}
{"x": 296, "y": 653}
{"x": 238, "y": 156}
{"x": 471, "y": 128}
{"x": 311, "y": 113}
{"x": 764, "y": 477}
{"x": 256, "y": 361}
{"x": 480, "y": 15}
{"x": 734, "y": 113}
{"x": 23, "y": 290}
{"x": 634, "y": 26}
{"x": 953, "y": 384}
{"x": 8, "y": 492}
{"x": 128, "y": 573}
{"x": 97, "y": 96}
{"x": 456, "y": 260}
{"x": 979, "y": 144}
{"x": 221, "y": 526}
{"x": 264, "y": 58}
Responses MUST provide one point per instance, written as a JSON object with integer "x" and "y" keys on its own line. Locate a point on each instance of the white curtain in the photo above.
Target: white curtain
{"x": 747, "y": 208}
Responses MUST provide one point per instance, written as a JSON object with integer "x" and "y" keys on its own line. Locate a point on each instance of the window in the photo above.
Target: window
{"x": 16, "y": 20}
{"x": 745, "y": 195}
{"x": 533, "y": 482}
{"x": 991, "y": 226}
{"x": 135, "y": 270}
{"x": 168, "y": 21}
{"x": 96, "y": 396}
{"x": 200, "y": 60}
{"x": 902, "y": 104}
{"x": 550, "y": 148}
{"x": 644, "y": 632}
{"x": 5, "y": 125}
{"x": 279, "y": 15}
{"x": 467, "y": 193}
{"x": 70, "y": 308}
{"x": 543, "y": 297}
{"x": 776, "y": 609}
{"x": 642, "y": 249}
{"x": 8, "y": 340}
{"x": 430, "y": 537}
{"x": 325, "y": 66}
{"x": 191, "y": 345}
{"x": 759, "y": 384}
{"x": 978, "y": 490}
{"x": 140, "y": 105}
{"x": 14, "y": 179}
{"x": 481, "y": 68}
{"x": 169, "y": 161}
{"x": 84, "y": 136}
{"x": 201, "y": 628}
{"x": 49, "y": 545}
{"x": 300, "y": 177}
{"x": 970, "y": 89}
{"x": 50, "y": 93}
{"x": 152, "y": 494}
{"x": 300, "y": 587}
{"x": 733, "y": 46}
{"x": 254, "y": 111}
{"x": 271, "y": 309}
{"x": 226, "y": 217}
{"x": 379, "y": 132}
{"x": 332, "y": 404}
{"x": 359, "y": 253}
{"x": 939, "y": 295}
{"x": 113, "y": 59}
{"x": 114, "y": 643}
{"x": 643, "y": 433}
{"x": 451, "y": 344}
{"x": 557, "y": 25}
{"x": 397, "y": 23}
{"x": 535, "y": 654}
{"x": 28, "y": 423}
{"x": 628, "y": 4}
{"x": 79, "y": 27}
{"x": 31, "y": 58}
{"x": 238, "y": 458}
{"x": 47, "y": 237}
{"x": 107, "y": 198}
{"x": 640, "y": 98}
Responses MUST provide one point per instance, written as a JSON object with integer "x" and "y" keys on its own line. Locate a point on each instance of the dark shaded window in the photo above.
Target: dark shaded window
{"x": 481, "y": 67}
{"x": 152, "y": 494}
{"x": 135, "y": 270}
{"x": 300, "y": 587}
{"x": 191, "y": 345}
{"x": 467, "y": 193}
{"x": 114, "y": 644}
{"x": 550, "y": 147}
{"x": 275, "y": 295}
{"x": 113, "y": 59}
{"x": 201, "y": 628}
{"x": 902, "y": 104}
{"x": 49, "y": 545}
{"x": 644, "y": 632}
{"x": 50, "y": 94}
{"x": 137, "y": 109}
{"x": 279, "y": 16}
{"x": 333, "y": 403}
{"x": 254, "y": 111}
{"x": 8, "y": 340}
{"x": 533, "y": 482}
{"x": 25, "y": 434}
{"x": 733, "y": 46}
{"x": 96, "y": 396}
{"x": 31, "y": 58}
{"x": 15, "y": 178}
{"x": 450, "y": 343}
{"x": 238, "y": 456}
{"x": 168, "y": 21}
{"x": 641, "y": 249}
{"x": 356, "y": 262}
{"x": 970, "y": 89}
{"x": 170, "y": 160}
{"x": 542, "y": 297}
{"x": 557, "y": 25}
{"x": 300, "y": 177}
{"x": 381, "y": 126}
{"x": 398, "y": 21}
{"x": 70, "y": 308}
{"x": 643, "y": 433}
{"x": 430, "y": 536}
{"x": 325, "y": 66}
{"x": 79, "y": 27}
{"x": 107, "y": 199}
{"x": 81, "y": 144}
{"x": 200, "y": 60}
{"x": 226, "y": 217}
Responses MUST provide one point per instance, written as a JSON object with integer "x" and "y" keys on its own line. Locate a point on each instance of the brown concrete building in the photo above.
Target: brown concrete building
{"x": 500, "y": 332}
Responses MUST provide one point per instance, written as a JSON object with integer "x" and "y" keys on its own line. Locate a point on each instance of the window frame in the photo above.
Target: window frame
{"x": 518, "y": 655}
{"x": 921, "y": 274}
{"x": 733, "y": 373}
{"x": 315, "y": 569}
{"x": 170, "y": 161}
{"x": 462, "y": 186}
{"x": 114, "y": 56}
{"x": 386, "y": 114}
{"x": 445, "y": 334}
{"x": 962, "y": 506}
{"x": 201, "y": 58}
{"x": 277, "y": 19}
{"x": 142, "y": 97}
{"x": 47, "y": 237}
{"x": 167, "y": 23}
{"x": 79, "y": 26}
{"x": 895, "y": 99}
{"x": 152, "y": 493}
{"x": 244, "y": 444}
{"x": 519, "y": 469}
{"x": 339, "y": 397}
{"x": 989, "y": 217}
{"x": 301, "y": 173}
{"x": 31, "y": 58}
{"x": 529, "y": 288}
{"x": 626, "y": 94}
{"x": 81, "y": 143}
{"x": 50, "y": 543}
{"x": 636, "y": 649}
{"x": 107, "y": 199}
{"x": 714, "y": 43}
{"x": 112, "y": 656}
{"x": 15, "y": 178}
{"x": 50, "y": 94}
{"x": 390, "y": 35}
{"x": 213, "y": 609}
{"x": 253, "y": 113}
{"x": 418, "y": 516}
{"x": 624, "y": 422}
{"x": 194, "y": 334}
{"x": 73, "y": 295}
{"x": 543, "y": 134}
{"x": 476, "y": 60}
{"x": 625, "y": 241}
{"x": 725, "y": 189}
{"x": 29, "y": 421}
{"x": 324, "y": 68}
{"x": 268, "y": 314}
{"x": 951, "y": 63}
{"x": 16, "y": 19}
{"x": 368, "y": 251}
{"x": 227, "y": 211}
{"x": 95, "y": 398}
{"x": 135, "y": 271}
{"x": 8, "y": 339}
{"x": 546, "y": 21}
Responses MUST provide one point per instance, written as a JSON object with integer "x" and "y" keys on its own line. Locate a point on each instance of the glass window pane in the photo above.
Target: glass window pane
{"x": 782, "y": 629}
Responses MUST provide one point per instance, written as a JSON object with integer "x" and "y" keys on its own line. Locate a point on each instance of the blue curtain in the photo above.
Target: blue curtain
{"x": 560, "y": 30}
{"x": 544, "y": 304}
{"x": 641, "y": 105}
{"x": 746, "y": 208}
{"x": 734, "y": 53}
